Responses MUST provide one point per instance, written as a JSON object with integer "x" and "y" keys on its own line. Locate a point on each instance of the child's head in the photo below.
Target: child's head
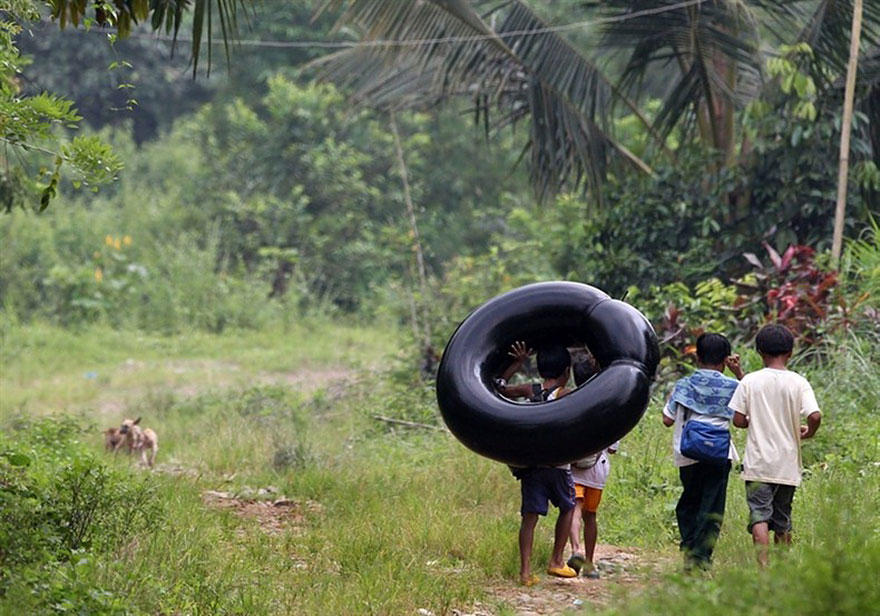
{"x": 712, "y": 349}
{"x": 553, "y": 362}
{"x": 582, "y": 371}
{"x": 774, "y": 340}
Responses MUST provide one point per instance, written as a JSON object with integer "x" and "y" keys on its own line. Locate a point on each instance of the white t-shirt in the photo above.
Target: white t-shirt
{"x": 774, "y": 402}
{"x": 680, "y": 414}
{"x": 596, "y": 475}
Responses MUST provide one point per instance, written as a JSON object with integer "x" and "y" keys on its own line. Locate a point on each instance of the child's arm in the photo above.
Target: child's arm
{"x": 522, "y": 390}
{"x": 519, "y": 352}
{"x": 813, "y": 421}
{"x": 739, "y": 405}
{"x": 668, "y": 415}
{"x": 810, "y": 408}
{"x": 733, "y": 364}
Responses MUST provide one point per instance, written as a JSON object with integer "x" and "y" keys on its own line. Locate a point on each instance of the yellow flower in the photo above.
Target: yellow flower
{"x": 126, "y": 239}
{"x": 99, "y": 274}
{"x": 117, "y": 243}
{"x": 108, "y": 240}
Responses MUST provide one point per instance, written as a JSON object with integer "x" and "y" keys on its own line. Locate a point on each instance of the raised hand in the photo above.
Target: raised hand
{"x": 519, "y": 351}
{"x": 733, "y": 364}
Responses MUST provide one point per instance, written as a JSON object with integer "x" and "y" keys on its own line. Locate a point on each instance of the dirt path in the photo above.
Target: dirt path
{"x": 624, "y": 569}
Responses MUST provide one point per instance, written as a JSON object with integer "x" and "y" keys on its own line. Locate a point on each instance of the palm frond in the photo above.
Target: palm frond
{"x": 716, "y": 35}
{"x": 167, "y": 14}
{"x": 870, "y": 104}
{"x": 827, "y": 32}
{"x": 515, "y": 70}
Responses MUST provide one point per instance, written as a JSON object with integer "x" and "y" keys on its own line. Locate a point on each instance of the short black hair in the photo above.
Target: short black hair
{"x": 553, "y": 361}
{"x": 774, "y": 340}
{"x": 712, "y": 349}
{"x": 583, "y": 370}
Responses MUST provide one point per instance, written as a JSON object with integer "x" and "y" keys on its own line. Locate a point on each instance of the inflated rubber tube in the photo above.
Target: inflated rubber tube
{"x": 586, "y": 420}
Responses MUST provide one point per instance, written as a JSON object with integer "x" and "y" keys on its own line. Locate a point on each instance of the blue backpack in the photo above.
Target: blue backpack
{"x": 704, "y": 442}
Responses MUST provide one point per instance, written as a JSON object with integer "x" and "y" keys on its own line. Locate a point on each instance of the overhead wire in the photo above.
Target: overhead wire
{"x": 281, "y": 44}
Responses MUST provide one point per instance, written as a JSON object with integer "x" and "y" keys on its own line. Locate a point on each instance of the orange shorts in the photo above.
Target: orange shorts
{"x": 588, "y": 496}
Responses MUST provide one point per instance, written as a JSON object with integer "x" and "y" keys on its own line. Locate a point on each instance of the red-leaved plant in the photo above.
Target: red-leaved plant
{"x": 796, "y": 291}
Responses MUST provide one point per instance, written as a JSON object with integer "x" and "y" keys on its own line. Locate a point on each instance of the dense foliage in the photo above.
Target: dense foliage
{"x": 60, "y": 508}
{"x": 29, "y": 127}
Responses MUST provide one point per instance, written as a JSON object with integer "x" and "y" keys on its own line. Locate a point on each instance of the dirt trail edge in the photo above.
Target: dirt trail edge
{"x": 624, "y": 570}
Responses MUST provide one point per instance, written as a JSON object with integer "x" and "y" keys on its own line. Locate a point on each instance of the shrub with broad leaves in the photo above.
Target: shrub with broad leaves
{"x": 796, "y": 291}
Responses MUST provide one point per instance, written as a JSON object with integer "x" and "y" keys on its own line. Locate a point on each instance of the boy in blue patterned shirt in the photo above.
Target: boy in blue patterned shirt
{"x": 704, "y": 395}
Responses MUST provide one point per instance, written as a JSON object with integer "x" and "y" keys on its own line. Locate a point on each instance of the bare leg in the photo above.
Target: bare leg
{"x": 761, "y": 538}
{"x": 575, "y": 538}
{"x": 526, "y": 537}
{"x": 561, "y": 536}
{"x": 783, "y": 538}
{"x": 591, "y": 532}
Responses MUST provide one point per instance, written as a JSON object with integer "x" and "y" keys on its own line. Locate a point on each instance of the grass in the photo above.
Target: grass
{"x": 390, "y": 521}
{"x": 47, "y": 368}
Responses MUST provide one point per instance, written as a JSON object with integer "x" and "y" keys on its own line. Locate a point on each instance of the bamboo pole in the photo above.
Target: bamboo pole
{"x": 410, "y": 209}
{"x": 845, "y": 129}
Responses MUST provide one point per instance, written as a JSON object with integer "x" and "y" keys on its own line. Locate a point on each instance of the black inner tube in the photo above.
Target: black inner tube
{"x": 588, "y": 419}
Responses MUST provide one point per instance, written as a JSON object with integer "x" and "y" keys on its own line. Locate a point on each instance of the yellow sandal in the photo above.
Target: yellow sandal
{"x": 530, "y": 581}
{"x": 563, "y": 572}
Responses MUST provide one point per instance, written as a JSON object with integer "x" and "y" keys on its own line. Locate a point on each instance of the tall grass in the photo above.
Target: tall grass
{"x": 390, "y": 520}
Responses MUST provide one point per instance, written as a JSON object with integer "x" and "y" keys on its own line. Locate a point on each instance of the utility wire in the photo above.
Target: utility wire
{"x": 422, "y": 42}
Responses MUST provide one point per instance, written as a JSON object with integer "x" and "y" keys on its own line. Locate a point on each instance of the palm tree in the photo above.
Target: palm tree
{"x": 708, "y": 54}
{"x": 703, "y": 59}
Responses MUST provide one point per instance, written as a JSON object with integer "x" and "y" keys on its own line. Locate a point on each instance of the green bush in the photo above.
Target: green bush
{"x": 61, "y": 507}
{"x": 76, "y": 267}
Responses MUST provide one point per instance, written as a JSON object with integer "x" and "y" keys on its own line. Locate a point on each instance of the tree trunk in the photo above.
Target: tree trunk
{"x": 414, "y": 228}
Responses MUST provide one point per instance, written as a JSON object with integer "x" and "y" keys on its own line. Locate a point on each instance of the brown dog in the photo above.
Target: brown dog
{"x": 140, "y": 439}
{"x": 112, "y": 439}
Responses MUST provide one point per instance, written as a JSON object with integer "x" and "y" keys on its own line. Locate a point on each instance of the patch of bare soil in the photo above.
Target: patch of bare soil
{"x": 622, "y": 568}
{"x": 212, "y": 374}
{"x": 176, "y": 469}
{"x": 307, "y": 380}
{"x": 274, "y": 515}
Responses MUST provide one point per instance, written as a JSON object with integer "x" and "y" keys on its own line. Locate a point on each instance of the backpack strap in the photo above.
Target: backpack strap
{"x": 537, "y": 393}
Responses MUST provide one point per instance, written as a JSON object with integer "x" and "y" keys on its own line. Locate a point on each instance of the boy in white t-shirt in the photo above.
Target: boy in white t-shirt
{"x": 770, "y": 403}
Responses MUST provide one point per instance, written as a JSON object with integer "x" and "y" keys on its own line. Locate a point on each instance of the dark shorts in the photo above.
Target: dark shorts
{"x": 540, "y": 485}
{"x": 771, "y": 503}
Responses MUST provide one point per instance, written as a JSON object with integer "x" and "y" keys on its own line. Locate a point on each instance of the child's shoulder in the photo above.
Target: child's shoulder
{"x": 798, "y": 378}
{"x": 773, "y": 376}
